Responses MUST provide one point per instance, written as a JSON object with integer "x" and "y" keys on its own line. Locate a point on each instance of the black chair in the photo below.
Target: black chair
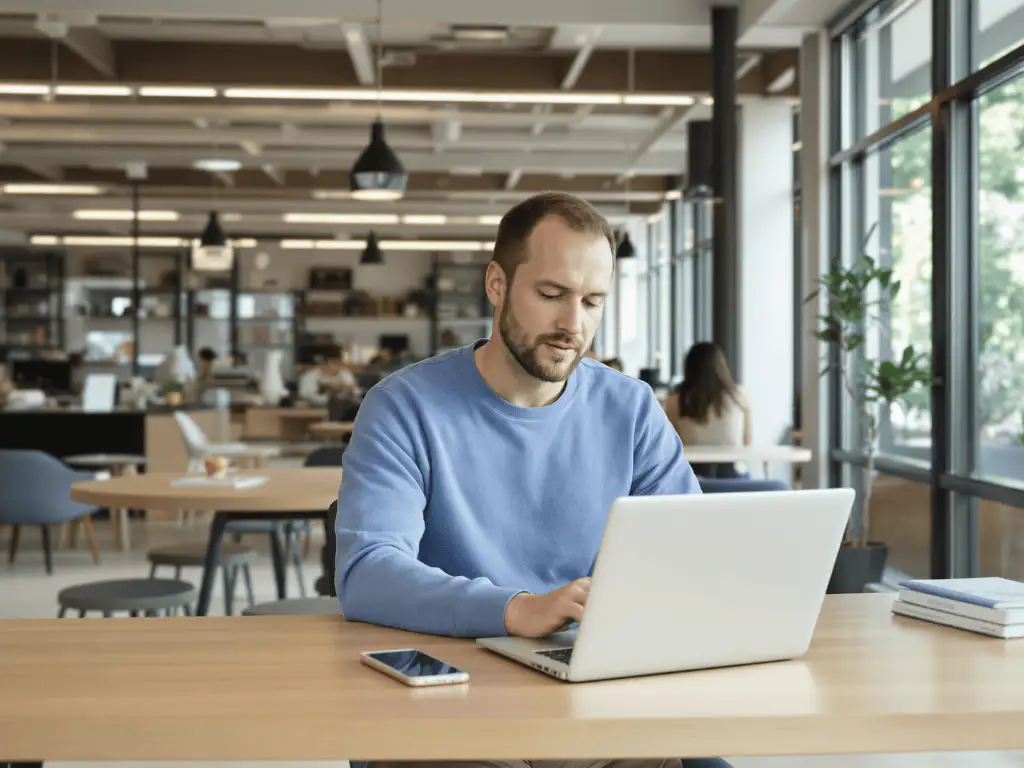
{"x": 325, "y": 585}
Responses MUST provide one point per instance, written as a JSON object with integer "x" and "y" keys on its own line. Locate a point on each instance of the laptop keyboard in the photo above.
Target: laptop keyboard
{"x": 561, "y": 654}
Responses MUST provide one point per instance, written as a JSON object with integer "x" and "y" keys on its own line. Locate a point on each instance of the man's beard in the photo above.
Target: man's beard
{"x": 525, "y": 352}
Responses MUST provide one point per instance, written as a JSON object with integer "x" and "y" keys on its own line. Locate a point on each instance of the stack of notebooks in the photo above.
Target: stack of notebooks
{"x": 990, "y": 606}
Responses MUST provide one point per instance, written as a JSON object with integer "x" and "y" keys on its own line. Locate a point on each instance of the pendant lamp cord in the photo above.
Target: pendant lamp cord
{"x": 380, "y": 55}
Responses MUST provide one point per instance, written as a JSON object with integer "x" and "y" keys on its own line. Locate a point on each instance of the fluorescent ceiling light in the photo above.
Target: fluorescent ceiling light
{"x": 425, "y": 218}
{"x": 459, "y": 96}
{"x": 217, "y": 165}
{"x": 119, "y": 241}
{"x": 94, "y": 90}
{"x": 24, "y": 89}
{"x": 178, "y": 92}
{"x": 659, "y": 99}
{"x": 341, "y": 218}
{"x": 231, "y": 217}
{"x": 51, "y": 189}
{"x": 674, "y": 194}
{"x": 394, "y": 245}
{"x": 331, "y": 194}
{"x": 489, "y": 221}
{"x": 88, "y": 214}
{"x": 431, "y": 245}
{"x": 707, "y": 101}
{"x": 376, "y": 195}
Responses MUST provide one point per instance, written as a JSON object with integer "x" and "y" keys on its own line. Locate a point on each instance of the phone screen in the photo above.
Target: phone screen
{"x": 414, "y": 663}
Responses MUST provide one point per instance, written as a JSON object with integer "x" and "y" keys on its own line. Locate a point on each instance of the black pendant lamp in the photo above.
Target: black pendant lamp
{"x": 372, "y": 253}
{"x": 213, "y": 234}
{"x": 378, "y": 174}
{"x": 625, "y": 249}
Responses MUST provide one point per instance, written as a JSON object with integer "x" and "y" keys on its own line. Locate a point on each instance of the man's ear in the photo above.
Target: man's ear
{"x": 496, "y": 284}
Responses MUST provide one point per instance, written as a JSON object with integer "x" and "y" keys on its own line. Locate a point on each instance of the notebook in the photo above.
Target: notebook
{"x": 1004, "y": 616}
{"x": 989, "y": 592}
{"x": 959, "y": 622}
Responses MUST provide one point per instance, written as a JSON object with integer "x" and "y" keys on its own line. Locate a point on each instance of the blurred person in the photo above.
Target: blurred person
{"x": 709, "y": 408}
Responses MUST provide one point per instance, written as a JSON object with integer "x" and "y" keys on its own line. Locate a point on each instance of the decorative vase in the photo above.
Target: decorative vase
{"x": 272, "y": 384}
{"x": 173, "y": 398}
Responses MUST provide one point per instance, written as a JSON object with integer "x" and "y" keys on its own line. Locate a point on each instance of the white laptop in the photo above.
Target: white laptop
{"x": 692, "y": 582}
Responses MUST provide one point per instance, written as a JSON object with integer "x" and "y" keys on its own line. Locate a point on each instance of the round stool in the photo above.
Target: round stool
{"x": 307, "y": 606}
{"x": 134, "y": 596}
{"x": 232, "y": 557}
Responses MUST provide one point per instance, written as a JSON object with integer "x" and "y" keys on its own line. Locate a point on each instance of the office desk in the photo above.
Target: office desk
{"x": 747, "y": 454}
{"x": 292, "y": 688}
{"x": 287, "y": 424}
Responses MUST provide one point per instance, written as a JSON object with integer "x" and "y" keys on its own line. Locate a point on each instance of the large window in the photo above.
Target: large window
{"x": 1000, "y": 286}
{"x": 927, "y": 177}
{"x": 897, "y": 232}
{"x": 893, "y": 56}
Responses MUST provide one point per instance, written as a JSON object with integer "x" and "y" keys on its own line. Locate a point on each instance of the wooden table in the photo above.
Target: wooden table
{"x": 288, "y": 424}
{"x": 292, "y": 688}
{"x": 332, "y": 430}
{"x": 119, "y": 464}
{"x": 289, "y": 494}
{"x": 747, "y": 454}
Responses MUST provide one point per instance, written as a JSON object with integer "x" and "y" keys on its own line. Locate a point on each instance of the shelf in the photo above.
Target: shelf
{"x": 372, "y": 318}
{"x": 258, "y": 320}
{"x": 265, "y": 292}
{"x": 265, "y": 346}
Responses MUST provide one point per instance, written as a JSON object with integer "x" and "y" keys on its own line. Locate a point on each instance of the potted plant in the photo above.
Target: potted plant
{"x": 173, "y": 390}
{"x": 856, "y": 297}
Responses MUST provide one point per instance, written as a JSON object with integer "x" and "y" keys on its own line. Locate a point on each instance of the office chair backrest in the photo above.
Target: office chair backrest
{"x": 328, "y": 456}
{"x": 195, "y": 439}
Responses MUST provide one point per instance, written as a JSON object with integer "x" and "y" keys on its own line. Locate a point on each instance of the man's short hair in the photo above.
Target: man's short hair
{"x": 518, "y": 224}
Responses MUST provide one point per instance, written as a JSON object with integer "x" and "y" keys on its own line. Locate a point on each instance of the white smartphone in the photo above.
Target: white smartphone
{"x": 414, "y": 667}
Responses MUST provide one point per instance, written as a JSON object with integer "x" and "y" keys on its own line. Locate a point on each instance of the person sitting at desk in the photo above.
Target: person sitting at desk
{"x": 478, "y": 483}
{"x": 318, "y": 383}
{"x": 708, "y": 407}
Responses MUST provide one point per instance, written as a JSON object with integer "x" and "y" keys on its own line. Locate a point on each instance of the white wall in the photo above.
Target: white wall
{"x": 766, "y": 261}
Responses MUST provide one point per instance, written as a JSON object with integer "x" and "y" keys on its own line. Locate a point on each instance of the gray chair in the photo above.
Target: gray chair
{"x": 232, "y": 558}
{"x": 304, "y": 606}
{"x": 739, "y": 485}
{"x": 148, "y": 597}
{"x": 35, "y": 489}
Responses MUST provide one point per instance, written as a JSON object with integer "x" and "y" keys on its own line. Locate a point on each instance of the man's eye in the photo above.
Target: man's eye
{"x": 549, "y": 296}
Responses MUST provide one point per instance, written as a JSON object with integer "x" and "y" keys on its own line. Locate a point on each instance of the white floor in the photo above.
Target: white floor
{"x": 27, "y": 592}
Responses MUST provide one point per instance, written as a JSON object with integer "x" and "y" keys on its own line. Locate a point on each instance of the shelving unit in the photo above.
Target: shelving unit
{"x": 461, "y": 311}
{"x": 33, "y": 302}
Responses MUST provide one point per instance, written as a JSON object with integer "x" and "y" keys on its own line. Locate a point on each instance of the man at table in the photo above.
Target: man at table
{"x": 477, "y": 483}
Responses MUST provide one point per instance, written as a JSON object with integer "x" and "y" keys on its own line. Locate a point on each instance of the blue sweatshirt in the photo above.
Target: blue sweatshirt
{"x": 454, "y": 501}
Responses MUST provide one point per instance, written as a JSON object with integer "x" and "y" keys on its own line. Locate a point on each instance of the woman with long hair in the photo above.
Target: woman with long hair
{"x": 708, "y": 407}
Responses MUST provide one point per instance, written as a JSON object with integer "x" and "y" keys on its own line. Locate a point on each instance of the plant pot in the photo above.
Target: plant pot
{"x": 173, "y": 398}
{"x": 856, "y": 567}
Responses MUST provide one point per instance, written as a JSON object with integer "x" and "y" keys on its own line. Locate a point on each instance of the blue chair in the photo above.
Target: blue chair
{"x": 739, "y": 485}
{"x": 35, "y": 489}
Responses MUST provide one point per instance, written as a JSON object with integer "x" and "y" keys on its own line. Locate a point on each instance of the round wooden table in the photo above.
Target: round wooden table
{"x": 119, "y": 464}
{"x": 289, "y": 494}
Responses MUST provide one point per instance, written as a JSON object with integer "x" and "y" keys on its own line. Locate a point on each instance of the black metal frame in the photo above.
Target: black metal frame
{"x": 950, "y": 115}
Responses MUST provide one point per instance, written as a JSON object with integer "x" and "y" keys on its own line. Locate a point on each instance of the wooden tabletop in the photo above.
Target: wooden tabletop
{"x": 713, "y": 454}
{"x": 286, "y": 489}
{"x": 105, "y": 460}
{"x": 332, "y": 428}
{"x": 292, "y": 688}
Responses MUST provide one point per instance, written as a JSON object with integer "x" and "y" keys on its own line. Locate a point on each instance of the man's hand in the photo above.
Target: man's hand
{"x": 541, "y": 615}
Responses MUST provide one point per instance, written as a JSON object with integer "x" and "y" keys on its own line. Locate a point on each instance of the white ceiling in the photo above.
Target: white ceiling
{"x": 276, "y": 138}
